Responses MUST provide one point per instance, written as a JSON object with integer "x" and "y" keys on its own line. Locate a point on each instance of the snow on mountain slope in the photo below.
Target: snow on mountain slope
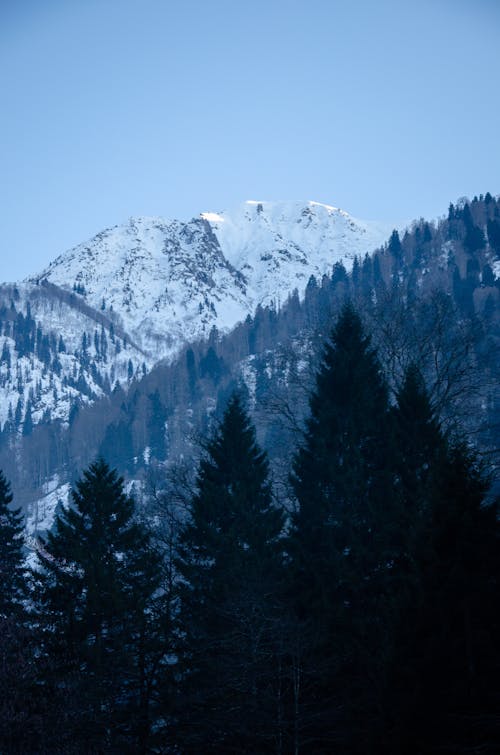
{"x": 170, "y": 282}
{"x": 56, "y": 352}
{"x": 279, "y": 245}
{"x": 163, "y": 279}
{"x": 138, "y": 292}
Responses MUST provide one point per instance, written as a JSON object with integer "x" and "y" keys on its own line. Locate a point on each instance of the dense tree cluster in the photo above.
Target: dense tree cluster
{"x": 358, "y": 614}
{"x": 351, "y": 606}
{"x": 429, "y": 296}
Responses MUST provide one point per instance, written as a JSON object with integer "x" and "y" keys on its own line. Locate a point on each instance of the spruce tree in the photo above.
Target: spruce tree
{"x": 156, "y": 419}
{"x": 420, "y": 450}
{"x": 342, "y": 482}
{"x": 394, "y": 246}
{"x": 420, "y": 446}
{"x": 230, "y": 562}
{"x": 96, "y": 602}
{"x": 28, "y": 711}
{"x": 28, "y": 420}
{"x": 456, "y": 654}
{"x": 11, "y": 556}
{"x": 442, "y": 693}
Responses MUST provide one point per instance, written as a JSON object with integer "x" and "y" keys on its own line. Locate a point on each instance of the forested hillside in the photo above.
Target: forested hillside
{"x": 358, "y": 613}
{"x": 249, "y": 378}
{"x": 430, "y": 296}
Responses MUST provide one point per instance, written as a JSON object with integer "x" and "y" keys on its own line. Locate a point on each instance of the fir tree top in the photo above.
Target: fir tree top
{"x": 11, "y": 556}
{"x": 232, "y": 511}
{"x": 97, "y": 551}
{"x": 346, "y": 443}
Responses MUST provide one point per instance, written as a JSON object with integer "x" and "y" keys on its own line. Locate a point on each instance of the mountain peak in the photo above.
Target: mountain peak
{"x": 169, "y": 282}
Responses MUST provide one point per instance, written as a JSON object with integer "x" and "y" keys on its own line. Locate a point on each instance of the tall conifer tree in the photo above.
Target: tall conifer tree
{"x": 456, "y": 652}
{"x": 420, "y": 451}
{"x": 230, "y": 563}
{"x": 96, "y": 601}
{"x": 11, "y": 556}
{"x": 28, "y": 711}
{"x": 343, "y": 482}
{"x": 442, "y": 694}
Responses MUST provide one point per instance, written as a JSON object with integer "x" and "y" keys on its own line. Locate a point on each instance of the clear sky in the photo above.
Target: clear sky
{"x": 112, "y": 108}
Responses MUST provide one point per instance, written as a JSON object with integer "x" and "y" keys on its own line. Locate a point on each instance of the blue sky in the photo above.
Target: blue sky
{"x": 113, "y": 108}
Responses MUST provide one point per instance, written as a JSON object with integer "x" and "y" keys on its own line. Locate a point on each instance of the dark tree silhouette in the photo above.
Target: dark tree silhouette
{"x": 96, "y": 603}
{"x": 230, "y": 564}
{"x": 339, "y": 543}
{"x": 12, "y": 584}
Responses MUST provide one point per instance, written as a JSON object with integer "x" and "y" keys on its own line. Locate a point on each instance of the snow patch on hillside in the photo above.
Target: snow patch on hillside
{"x": 41, "y": 513}
{"x": 53, "y": 355}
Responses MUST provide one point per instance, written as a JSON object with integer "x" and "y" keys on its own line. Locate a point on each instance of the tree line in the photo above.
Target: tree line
{"x": 358, "y": 614}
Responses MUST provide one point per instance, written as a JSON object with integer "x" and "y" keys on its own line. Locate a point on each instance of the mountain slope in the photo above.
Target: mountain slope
{"x": 429, "y": 297}
{"x": 170, "y": 282}
{"x": 277, "y": 246}
{"x": 55, "y": 353}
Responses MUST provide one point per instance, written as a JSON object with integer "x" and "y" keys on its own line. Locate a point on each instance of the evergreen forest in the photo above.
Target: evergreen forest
{"x": 342, "y": 597}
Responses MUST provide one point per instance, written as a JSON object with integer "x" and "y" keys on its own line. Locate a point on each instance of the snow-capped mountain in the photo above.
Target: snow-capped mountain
{"x": 169, "y": 282}
{"x": 109, "y": 309}
{"x": 106, "y": 311}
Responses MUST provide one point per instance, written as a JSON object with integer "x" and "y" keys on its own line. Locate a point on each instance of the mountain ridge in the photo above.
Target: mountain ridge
{"x": 213, "y": 270}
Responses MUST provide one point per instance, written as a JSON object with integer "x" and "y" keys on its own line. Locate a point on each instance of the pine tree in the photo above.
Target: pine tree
{"x": 11, "y": 555}
{"x": 456, "y": 653}
{"x": 419, "y": 442}
{"x": 367, "y": 277}
{"x": 442, "y": 692}
{"x": 18, "y": 415}
{"x": 24, "y": 706}
{"x": 342, "y": 484}
{"x": 5, "y": 358}
{"x": 211, "y": 366}
{"x": 394, "y": 246}
{"x": 156, "y": 419}
{"x": 420, "y": 451}
{"x": 493, "y": 229}
{"x": 28, "y": 420}
{"x": 130, "y": 370}
{"x": 96, "y": 600}
{"x": 192, "y": 374}
{"x": 230, "y": 563}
